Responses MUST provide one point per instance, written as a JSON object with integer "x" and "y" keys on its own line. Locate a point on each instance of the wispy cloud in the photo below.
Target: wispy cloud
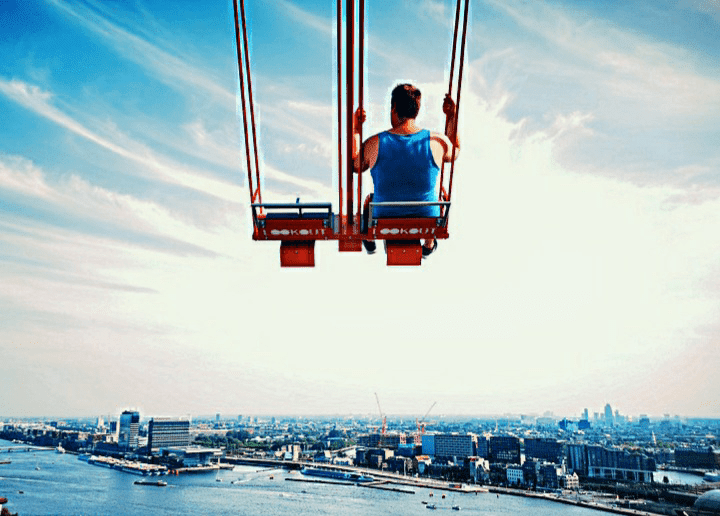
{"x": 163, "y": 168}
{"x": 300, "y": 15}
{"x": 168, "y": 67}
{"x": 74, "y": 204}
{"x": 659, "y": 76}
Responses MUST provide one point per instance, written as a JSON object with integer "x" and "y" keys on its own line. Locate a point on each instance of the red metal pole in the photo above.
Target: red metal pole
{"x": 339, "y": 106}
{"x": 457, "y": 106}
{"x": 450, "y": 84}
{"x": 242, "y": 97}
{"x": 350, "y": 93}
{"x": 361, "y": 64}
{"x": 250, "y": 98}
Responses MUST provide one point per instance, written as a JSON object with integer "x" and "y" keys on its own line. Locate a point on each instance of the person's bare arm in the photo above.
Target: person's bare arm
{"x": 450, "y": 140}
{"x": 370, "y": 147}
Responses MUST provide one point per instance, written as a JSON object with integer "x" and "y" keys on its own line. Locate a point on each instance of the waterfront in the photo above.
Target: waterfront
{"x": 47, "y": 483}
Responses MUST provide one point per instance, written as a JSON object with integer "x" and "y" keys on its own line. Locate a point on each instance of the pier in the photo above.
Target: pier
{"x": 25, "y": 449}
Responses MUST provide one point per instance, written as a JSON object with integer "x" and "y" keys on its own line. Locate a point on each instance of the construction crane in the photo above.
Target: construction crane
{"x": 422, "y": 423}
{"x": 382, "y": 417}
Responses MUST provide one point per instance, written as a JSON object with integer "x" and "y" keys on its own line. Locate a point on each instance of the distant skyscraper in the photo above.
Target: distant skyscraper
{"x": 128, "y": 430}
{"x": 586, "y": 415}
{"x": 608, "y": 415}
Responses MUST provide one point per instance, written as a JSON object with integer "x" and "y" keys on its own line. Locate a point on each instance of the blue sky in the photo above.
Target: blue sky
{"x": 583, "y": 261}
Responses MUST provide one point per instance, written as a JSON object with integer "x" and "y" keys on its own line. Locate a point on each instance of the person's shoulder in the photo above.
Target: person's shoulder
{"x": 373, "y": 140}
{"x": 440, "y": 138}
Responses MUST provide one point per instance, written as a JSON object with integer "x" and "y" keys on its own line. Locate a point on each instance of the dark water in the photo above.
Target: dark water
{"x": 65, "y": 485}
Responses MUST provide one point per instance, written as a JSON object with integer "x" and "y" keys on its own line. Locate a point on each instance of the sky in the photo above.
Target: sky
{"x": 582, "y": 267}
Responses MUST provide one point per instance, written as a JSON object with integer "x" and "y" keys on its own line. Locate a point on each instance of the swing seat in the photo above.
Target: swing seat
{"x": 289, "y": 222}
{"x": 402, "y": 234}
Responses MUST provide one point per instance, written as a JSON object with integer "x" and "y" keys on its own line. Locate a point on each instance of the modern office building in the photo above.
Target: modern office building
{"x": 619, "y": 464}
{"x": 482, "y": 447}
{"x": 128, "y": 430}
{"x": 168, "y": 433}
{"x": 577, "y": 458}
{"x": 505, "y": 448}
{"x": 449, "y": 446}
{"x": 550, "y": 450}
{"x": 428, "y": 444}
{"x": 455, "y": 445}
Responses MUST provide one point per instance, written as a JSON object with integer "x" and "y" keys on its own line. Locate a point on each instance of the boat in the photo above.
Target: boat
{"x": 712, "y": 476}
{"x": 158, "y": 483}
{"x": 60, "y": 449}
{"x": 431, "y": 506}
{"x": 455, "y": 507}
{"x": 336, "y": 475}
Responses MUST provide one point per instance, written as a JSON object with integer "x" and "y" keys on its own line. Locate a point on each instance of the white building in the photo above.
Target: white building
{"x": 449, "y": 445}
{"x": 515, "y": 474}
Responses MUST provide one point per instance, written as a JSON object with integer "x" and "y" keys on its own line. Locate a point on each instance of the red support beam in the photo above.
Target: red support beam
{"x": 350, "y": 97}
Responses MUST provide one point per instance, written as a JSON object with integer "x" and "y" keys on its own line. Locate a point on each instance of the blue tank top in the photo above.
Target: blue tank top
{"x": 405, "y": 170}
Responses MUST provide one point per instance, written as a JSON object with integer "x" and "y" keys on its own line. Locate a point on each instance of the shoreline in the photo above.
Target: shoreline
{"x": 440, "y": 485}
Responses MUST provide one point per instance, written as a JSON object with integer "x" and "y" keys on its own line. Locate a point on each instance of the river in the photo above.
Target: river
{"x": 48, "y": 483}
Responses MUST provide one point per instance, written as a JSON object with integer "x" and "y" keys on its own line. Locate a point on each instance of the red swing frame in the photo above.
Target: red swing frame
{"x": 296, "y": 225}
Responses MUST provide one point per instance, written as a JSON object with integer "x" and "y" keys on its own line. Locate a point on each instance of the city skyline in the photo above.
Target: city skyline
{"x": 592, "y": 416}
{"x": 582, "y": 260}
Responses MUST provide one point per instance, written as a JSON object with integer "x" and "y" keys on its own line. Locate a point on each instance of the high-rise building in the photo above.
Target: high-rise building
{"x": 608, "y": 415}
{"x": 128, "y": 430}
{"x": 167, "y": 432}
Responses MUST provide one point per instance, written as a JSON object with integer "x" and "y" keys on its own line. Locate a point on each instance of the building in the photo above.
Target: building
{"x": 505, "y": 449}
{"x": 515, "y": 474}
{"x": 571, "y": 481}
{"x": 454, "y": 446}
{"x": 168, "y": 433}
{"x": 428, "y": 445}
{"x": 194, "y": 456}
{"x": 697, "y": 458}
{"x": 482, "y": 447}
{"x": 609, "y": 420}
{"x": 388, "y": 440}
{"x": 479, "y": 469}
{"x": 619, "y": 464}
{"x": 577, "y": 458}
{"x": 549, "y": 475}
{"x": 707, "y": 504}
{"x": 550, "y": 450}
{"x": 128, "y": 430}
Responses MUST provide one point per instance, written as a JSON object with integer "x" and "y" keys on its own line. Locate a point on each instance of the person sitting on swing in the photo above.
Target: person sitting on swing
{"x": 405, "y": 160}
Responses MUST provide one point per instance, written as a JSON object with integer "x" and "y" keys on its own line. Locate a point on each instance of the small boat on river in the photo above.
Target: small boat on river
{"x": 157, "y": 483}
